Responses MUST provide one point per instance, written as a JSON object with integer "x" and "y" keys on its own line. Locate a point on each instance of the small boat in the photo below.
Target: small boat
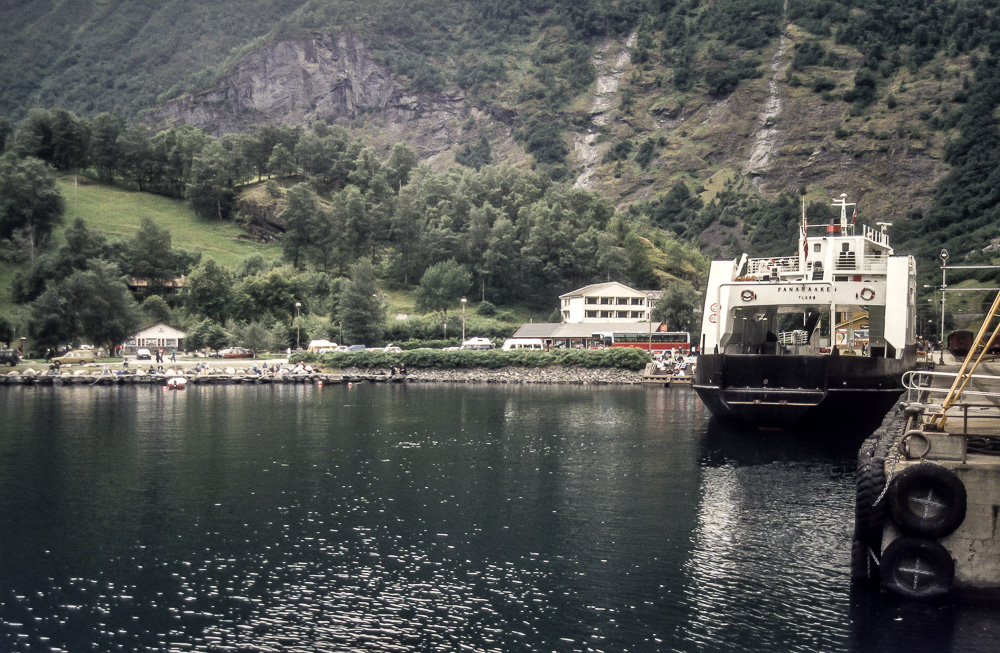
{"x": 818, "y": 337}
{"x": 176, "y": 382}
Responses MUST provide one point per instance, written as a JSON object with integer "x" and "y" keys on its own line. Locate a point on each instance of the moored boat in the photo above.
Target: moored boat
{"x": 817, "y": 337}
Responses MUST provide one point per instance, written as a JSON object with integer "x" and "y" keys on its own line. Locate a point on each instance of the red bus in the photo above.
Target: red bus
{"x": 657, "y": 341}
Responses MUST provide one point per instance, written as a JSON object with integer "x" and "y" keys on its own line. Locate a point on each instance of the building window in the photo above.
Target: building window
{"x": 622, "y": 301}
{"x": 606, "y": 313}
{"x": 591, "y": 313}
{"x": 592, "y": 300}
{"x": 637, "y": 301}
{"x": 606, "y": 300}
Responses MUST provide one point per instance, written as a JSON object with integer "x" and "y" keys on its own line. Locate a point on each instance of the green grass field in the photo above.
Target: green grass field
{"x": 118, "y": 212}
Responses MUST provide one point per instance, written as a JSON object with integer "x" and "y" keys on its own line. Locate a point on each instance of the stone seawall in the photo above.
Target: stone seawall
{"x": 509, "y": 375}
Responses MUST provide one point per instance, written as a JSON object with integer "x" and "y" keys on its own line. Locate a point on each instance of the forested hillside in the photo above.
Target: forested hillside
{"x": 536, "y": 144}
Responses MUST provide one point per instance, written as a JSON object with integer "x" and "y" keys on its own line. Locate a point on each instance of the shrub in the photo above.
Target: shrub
{"x": 620, "y": 357}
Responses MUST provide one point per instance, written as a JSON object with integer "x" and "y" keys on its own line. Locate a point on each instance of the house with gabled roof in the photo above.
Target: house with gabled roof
{"x": 156, "y": 336}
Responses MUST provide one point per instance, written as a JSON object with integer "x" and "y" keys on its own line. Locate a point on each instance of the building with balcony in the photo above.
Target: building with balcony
{"x": 610, "y": 302}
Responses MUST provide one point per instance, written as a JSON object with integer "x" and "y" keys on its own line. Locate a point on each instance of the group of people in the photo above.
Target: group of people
{"x": 397, "y": 368}
{"x": 160, "y": 353}
{"x": 675, "y": 363}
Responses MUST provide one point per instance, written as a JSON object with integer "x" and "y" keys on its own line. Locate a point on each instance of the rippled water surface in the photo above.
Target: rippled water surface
{"x": 432, "y": 518}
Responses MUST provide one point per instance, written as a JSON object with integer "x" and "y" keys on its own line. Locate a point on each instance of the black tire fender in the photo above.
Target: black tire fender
{"x": 927, "y": 500}
{"x": 869, "y": 517}
{"x": 863, "y": 567}
{"x": 917, "y": 568}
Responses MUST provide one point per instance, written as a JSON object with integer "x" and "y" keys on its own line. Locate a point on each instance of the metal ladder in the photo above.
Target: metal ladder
{"x": 975, "y": 356}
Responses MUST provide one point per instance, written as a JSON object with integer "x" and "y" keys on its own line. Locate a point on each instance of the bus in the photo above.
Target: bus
{"x": 655, "y": 342}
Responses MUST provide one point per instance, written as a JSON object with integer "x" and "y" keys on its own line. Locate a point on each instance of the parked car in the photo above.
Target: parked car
{"x": 236, "y": 352}
{"x": 9, "y": 357}
{"x": 77, "y": 356}
{"x": 392, "y": 349}
{"x": 143, "y": 354}
{"x": 356, "y": 348}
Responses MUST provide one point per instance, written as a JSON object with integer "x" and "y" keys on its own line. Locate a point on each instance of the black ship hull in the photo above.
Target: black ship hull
{"x": 788, "y": 391}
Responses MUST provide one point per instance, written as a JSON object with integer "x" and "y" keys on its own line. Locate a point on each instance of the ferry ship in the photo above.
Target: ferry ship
{"x": 814, "y": 338}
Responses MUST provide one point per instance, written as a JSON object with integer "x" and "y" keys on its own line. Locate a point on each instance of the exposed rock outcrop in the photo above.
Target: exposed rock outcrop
{"x": 323, "y": 76}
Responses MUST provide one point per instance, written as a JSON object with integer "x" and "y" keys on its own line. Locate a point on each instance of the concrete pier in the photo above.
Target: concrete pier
{"x": 939, "y": 503}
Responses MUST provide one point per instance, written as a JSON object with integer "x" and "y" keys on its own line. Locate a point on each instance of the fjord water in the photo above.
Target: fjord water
{"x": 431, "y": 517}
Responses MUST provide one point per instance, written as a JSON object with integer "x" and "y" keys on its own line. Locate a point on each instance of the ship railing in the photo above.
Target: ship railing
{"x": 928, "y": 389}
{"x": 759, "y": 267}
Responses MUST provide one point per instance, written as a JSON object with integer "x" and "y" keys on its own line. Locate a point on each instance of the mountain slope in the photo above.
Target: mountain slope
{"x": 628, "y": 97}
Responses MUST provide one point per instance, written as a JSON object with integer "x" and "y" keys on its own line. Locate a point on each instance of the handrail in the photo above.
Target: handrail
{"x": 912, "y": 380}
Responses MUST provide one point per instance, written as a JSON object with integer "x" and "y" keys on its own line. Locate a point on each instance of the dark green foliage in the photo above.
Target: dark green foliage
{"x": 486, "y": 309}
{"x": 865, "y": 88}
{"x": 442, "y": 285}
{"x": 207, "y": 334}
{"x": 29, "y": 199}
{"x": 361, "y": 308}
{"x": 93, "y": 304}
{"x": 645, "y": 153}
{"x": 621, "y": 357}
{"x": 677, "y": 210}
{"x": 544, "y": 140}
{"x": 745, "y": 23}
{"x": 723, "y": 79}
{"x": 150, "y": 256}
{"x": 619, "y": 151}
{"x": 821, "y": 84}
{"x": 476, "y": 155}
{"x": 966, "y": 206}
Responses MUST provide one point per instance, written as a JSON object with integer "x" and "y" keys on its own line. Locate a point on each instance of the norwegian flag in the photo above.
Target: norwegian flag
{"x": 805, "y": 243}
{"x": 855, "y": 219}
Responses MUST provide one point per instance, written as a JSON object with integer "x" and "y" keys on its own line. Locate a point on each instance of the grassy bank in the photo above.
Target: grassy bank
{"x": 117, "y": 212}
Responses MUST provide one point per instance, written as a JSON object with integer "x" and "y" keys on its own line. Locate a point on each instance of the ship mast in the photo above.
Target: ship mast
{"x": 841, "y": 229}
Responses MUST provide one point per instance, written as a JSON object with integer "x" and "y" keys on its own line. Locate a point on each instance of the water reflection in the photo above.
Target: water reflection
{"x": 416, "y": 517}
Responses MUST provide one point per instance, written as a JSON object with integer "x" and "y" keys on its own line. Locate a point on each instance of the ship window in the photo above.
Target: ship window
{"x": 817, "y": 247}
{"x": 846, "y": 247}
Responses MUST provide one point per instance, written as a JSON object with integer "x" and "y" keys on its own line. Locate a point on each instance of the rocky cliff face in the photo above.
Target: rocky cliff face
{"x": 323, "y": 77}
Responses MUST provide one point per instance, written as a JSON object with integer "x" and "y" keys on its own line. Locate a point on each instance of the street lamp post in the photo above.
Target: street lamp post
{"x": 464, "y": 301}
{"x": 649, "y": 326}
{"x": 944, "y": 286}
{"x": 298, "y": 324}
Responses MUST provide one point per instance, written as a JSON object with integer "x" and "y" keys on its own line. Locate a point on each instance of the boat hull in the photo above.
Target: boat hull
{"x": 789, "y": 391}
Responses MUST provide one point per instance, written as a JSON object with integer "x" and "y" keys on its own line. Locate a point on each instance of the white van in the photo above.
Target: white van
{"x": 523, "y": 343}
{"x": 477, "y": 343}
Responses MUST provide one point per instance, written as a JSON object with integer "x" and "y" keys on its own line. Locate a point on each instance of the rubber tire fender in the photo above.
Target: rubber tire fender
{"x": 927, "y": 500}
{"x": 917, "y": 568}
{"x": 869, "y": 518}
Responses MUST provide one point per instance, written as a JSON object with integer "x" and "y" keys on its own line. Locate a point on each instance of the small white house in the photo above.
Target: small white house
{"x": 321, "y": 346}
{"x": 156, "y": 336}
{"x": 607, "y": 302}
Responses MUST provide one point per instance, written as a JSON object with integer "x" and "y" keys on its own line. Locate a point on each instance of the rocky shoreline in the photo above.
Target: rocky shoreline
{"x": 232, "y": 375}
